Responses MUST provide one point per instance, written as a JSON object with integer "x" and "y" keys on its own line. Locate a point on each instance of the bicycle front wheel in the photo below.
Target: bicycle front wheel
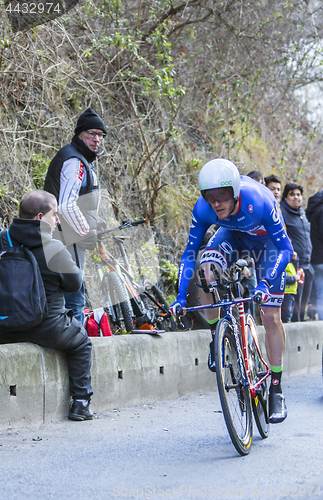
{"x": 234, "y": 394}
{"x": 257, "y": 372}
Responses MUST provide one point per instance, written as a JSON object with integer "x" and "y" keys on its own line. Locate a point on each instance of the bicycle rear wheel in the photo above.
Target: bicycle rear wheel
{"x": 234, "y": 394}
{"x": 257, "y": 371}
{"x": 157, "y": 303}
{"x": 116, "y": 297}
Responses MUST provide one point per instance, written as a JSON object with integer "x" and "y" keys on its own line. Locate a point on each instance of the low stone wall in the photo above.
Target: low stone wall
{"x": 128, "y": 370}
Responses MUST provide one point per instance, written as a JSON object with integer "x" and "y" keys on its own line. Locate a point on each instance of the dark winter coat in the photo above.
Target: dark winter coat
{"x": 298, "y": 229}
{"x": 88, "y": 204}
{"x": 57, "y": 268}
{"x": 314, "y": 213}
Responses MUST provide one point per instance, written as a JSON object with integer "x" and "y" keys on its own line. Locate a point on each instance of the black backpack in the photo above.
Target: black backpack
{"x": 23, "y": 303}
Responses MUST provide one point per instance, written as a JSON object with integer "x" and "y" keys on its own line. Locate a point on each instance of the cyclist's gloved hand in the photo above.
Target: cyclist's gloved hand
{"x": 177, "y": 307}
{"x": 262, "y": 291}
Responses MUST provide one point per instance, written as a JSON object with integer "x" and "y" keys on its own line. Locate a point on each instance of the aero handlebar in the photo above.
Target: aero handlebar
{"x": 124, "y": 225}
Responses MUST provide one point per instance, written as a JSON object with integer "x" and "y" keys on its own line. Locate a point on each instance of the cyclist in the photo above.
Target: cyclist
{"x": 250, "y": 222}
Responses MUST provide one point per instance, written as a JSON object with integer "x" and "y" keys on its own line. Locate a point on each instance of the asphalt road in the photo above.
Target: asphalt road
{"x": 170, "y": 449}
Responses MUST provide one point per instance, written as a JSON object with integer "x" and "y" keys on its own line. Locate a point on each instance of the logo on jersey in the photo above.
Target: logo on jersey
{"x": 273, "y": 273}
{"x": 257, "y": 231}
{"x": 250, "y": 208}
{"x": 81, "y": 171}
{"x": 193, "y": 219}
{"x": 214, "y": 256}
{"x": 275, "y": 215}
{"x": 180, "y": 273}
{"x": 226, "y": 247}
{"x": 282, "y": 282}
{"x": 275, "y": 300}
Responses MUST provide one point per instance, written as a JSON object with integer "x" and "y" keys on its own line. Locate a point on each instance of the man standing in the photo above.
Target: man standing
{"x": 298, "y": 229}
{"x": 71, "y": 178}
{"x": 250, "y": 222}
{"x": 59, "y": 330}
{"x": 314, "y": 213}
{"x": 273, "y": 183}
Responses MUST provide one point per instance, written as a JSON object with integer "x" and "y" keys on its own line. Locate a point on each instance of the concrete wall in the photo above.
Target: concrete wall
{"x": 128, "y": 370}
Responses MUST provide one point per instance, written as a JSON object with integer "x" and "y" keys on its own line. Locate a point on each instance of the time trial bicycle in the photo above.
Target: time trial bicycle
{"x": 241, "y": 371}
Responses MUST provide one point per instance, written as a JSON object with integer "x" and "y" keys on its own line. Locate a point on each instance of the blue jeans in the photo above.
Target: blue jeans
{"x": 287, "y": 307}
{"x": 318, "y": 280}
{"x": 303, "y": 294}
{"x": 76, "y": 300}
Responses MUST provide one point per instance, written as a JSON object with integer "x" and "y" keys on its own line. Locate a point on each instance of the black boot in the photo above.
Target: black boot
{"x": 80, "y": 411}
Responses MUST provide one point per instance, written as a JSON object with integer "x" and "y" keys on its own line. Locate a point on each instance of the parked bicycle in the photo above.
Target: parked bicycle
{"x": 131, "y": 307}
{"x": 241, "y": 371}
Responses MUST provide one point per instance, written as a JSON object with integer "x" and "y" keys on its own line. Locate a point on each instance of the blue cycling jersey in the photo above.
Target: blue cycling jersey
{"x": 257, "y": 222}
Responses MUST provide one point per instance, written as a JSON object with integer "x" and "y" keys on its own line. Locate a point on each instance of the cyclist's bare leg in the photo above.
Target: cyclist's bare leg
{"x": 212, "y": 315}
{"x": 275, "y": 335}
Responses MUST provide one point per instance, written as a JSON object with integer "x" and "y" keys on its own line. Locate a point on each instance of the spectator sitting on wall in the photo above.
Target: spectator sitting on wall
{"x": 59, "y": 330}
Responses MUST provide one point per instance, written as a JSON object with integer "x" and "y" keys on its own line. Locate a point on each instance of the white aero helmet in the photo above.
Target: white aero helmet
{"x": 219, "y": 173}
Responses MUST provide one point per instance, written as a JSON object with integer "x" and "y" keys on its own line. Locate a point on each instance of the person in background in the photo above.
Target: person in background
{"x": 298, "y": 230}
{"x": 273, "y": 183}
{"x": 314, "y": 213}
{"x": 72, "y": 179}
{"x": 294, "y": 278}
{"x": 256, "y": 175}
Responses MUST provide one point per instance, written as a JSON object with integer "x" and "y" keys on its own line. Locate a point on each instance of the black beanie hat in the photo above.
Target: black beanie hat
{"x": 89, "y": 119}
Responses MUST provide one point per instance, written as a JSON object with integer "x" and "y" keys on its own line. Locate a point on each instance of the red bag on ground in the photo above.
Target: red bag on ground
{"x": 96, "y": 323}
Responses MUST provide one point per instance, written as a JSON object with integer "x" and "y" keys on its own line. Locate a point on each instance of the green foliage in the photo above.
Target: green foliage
{"x": 38, "y": 168}
{"x": 152, "y": 77}
{"x": 169, "y": 273}
{"x": 3, "y": 190}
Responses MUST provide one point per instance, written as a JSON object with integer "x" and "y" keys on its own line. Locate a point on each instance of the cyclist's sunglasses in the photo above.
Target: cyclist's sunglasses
{"x": 220, "y": 195}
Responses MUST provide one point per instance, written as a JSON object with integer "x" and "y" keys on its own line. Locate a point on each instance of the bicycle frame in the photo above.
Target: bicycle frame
{"x": 226, "y": 306}
{"x": 141, "y": 310}
{"x": 114, "y": 265}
